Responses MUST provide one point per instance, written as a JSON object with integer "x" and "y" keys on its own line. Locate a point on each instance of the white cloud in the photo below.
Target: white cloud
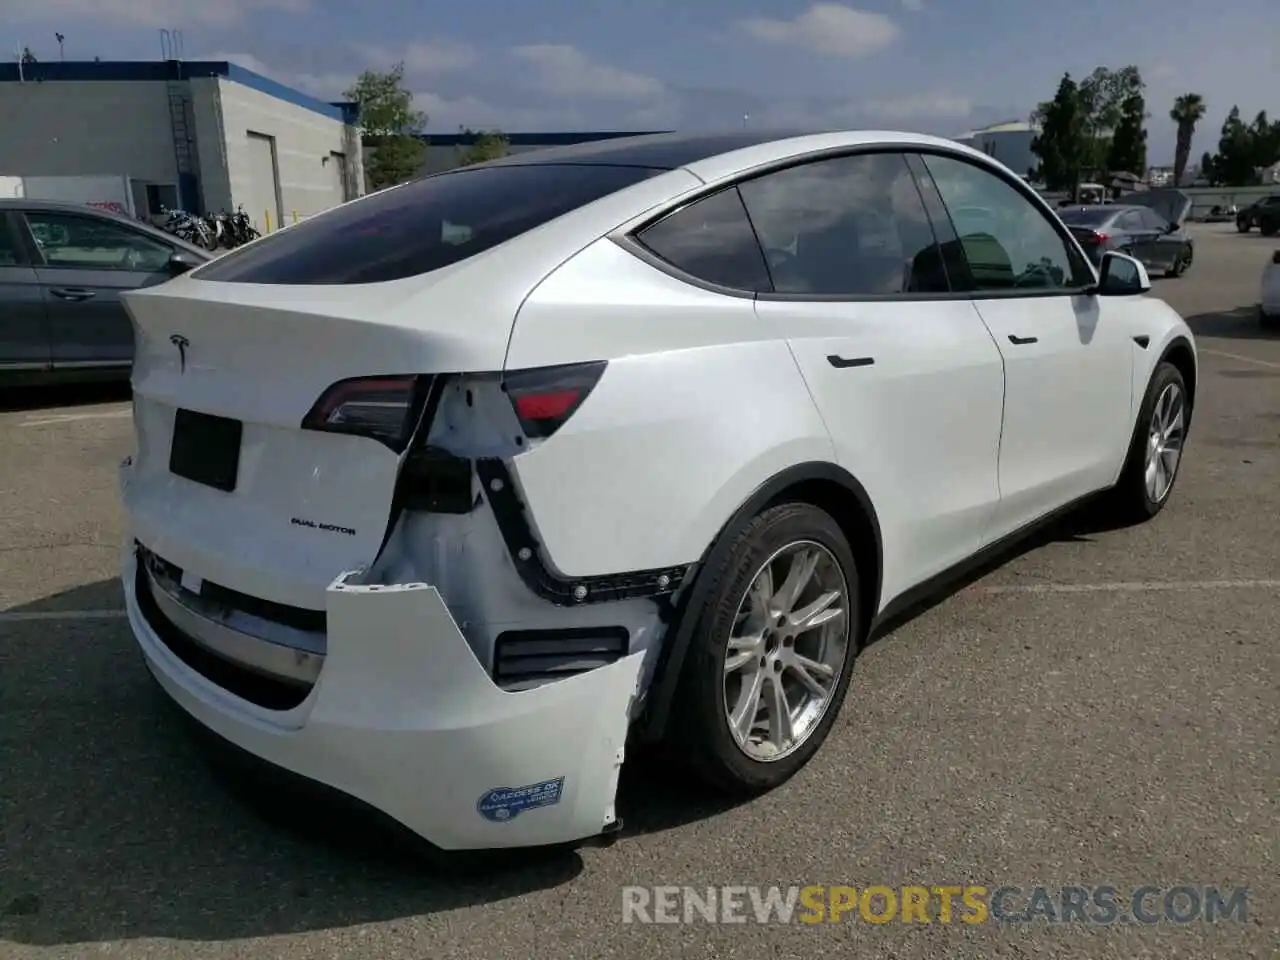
{"x": 927, "y": 106}
{"x": 565, "y": 71}
{"x": 423, "y": 56}
{"x": 326, "y": 86}
{"x": 915, "y": 6}
{"x": 179, "y": 14}
{"x": 826, "y": 28}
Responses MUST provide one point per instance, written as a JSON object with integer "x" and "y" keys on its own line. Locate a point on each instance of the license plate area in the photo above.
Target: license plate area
{"x": 206, "y": 449}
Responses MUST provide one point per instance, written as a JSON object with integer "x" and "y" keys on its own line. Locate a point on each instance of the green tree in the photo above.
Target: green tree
{"x": 1128, "y": 149}
{"x": 1207, "y": 169}
{"x": 1103, "y": 95}
{"x": 392, "y": 127}
{"x": 1060, "y": 144}
{"x": 1266, "y": 140}
{"x": 1188, "y": 110}
{"x": 485, "y": 145}
{"x": 1234, "y": 163}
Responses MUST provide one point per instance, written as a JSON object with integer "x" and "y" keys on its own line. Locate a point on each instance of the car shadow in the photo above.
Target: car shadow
{"x": 21, "y": 398}
{"x": 116, "y": 828}
{"x": 1242, "y": 323}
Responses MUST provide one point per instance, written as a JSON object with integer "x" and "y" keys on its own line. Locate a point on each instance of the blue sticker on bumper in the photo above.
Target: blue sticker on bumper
{"x": 505, "y": 803}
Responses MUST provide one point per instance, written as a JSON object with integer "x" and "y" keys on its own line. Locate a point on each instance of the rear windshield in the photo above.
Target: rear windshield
{"x": 421, "y": 226}
{"x": 1086, "y": 216}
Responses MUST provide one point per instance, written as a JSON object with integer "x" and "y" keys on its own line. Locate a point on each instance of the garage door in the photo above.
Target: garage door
{"x": 264, "y": 182}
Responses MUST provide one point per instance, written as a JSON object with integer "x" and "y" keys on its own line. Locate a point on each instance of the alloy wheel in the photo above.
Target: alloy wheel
{"x": 1164, "y": 442}
{"x": 786, "y": 651}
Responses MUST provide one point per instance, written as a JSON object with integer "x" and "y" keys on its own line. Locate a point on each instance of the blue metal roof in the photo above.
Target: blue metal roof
{"x": 89, "y": 71}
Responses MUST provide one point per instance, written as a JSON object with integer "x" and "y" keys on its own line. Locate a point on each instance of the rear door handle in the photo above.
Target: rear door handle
{"x": 1019, "y": 341}
{"x": 843, "y": 363}
{"x": 73, "y": 294}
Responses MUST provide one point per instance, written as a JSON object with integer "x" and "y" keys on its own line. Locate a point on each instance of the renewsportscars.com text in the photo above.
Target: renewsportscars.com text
{"x": 1102, "y": 904}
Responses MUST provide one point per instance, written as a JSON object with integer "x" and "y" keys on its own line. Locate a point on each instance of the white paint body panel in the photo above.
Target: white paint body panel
{"x": 919, "y": 427}
{"x": 406, "y": 719}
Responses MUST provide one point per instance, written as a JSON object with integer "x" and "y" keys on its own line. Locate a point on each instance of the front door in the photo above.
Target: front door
{"x": 907, "y": 379}
{"x": 24, "y": 334}
{"x": 88, "y": 262}
{"x": 1067, "y": 359}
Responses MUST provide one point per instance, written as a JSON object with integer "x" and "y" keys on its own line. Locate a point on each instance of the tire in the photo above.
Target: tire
{"x": 1268, "y": 321}
{"x": 1133, "y": 498}
{"x": 701, "y": 710}
{"x": 1242, "y": 226}
{"x": 1269, "y": 228}
{"x": 1180, "y": 265}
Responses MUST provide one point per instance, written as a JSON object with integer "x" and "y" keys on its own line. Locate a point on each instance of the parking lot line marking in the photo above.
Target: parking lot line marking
{"x": 73, "y": 417}
{"x": 1242, "y": 359}
{"x": 61, "y": 615}
{"x": 1142, "y": 586}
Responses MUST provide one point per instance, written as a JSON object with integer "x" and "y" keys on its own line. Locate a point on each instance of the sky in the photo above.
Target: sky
{"x": 934, "y": 66}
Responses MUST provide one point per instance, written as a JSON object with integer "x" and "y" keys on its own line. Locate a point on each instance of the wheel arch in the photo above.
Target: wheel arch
{"x": 823, "y": 484}
{"x": 1182, "y": 355}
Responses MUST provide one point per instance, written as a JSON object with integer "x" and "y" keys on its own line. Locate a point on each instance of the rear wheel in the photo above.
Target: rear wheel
{"x": 771, "y": 655}
{"x": 1155, "y": 453}
{"x": 1269, "y": 228}
{"x": 1242, "y": 226}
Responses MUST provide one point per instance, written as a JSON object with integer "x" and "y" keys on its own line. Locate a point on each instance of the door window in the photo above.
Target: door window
{"x": 1153, "y": 221}
{"x": 850, "y": 226}
{"x": 712, "y": 240}
{"x": 1132, "y": 222}
{"x": 10, "y": 254}
{"x": 87, "y": 243}
{"x": 1010, "y": 244}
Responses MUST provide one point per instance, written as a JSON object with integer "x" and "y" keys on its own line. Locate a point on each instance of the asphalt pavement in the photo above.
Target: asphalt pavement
{"x": 1098, "y": 709}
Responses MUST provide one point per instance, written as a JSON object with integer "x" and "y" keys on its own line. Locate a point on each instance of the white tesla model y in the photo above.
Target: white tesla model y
{"x": 442, "y": 495}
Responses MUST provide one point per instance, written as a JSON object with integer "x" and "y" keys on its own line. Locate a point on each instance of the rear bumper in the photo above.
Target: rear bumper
{"x": 404, "y": 718}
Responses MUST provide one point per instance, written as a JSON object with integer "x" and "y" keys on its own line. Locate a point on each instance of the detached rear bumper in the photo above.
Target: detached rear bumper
{"x": 404, "y": 718}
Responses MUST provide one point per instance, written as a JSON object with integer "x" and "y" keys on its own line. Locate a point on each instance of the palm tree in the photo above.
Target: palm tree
{"x": 1188, "y": 110}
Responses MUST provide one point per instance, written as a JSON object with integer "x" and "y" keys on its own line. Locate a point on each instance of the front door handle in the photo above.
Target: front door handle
{"x": 843, "y": 363}
{"x": 74, "y": 294}
{"x": 1019, "y": 341}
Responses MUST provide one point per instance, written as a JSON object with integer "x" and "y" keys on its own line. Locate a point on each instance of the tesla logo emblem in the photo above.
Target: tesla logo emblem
{"x": 181, "y": 343}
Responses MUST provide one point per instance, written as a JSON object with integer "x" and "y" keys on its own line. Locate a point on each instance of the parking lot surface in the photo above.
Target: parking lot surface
{"x": 1099, "y": 709}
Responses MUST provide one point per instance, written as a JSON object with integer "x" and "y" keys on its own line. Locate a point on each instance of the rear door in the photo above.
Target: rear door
{"x": 1135, "y": 236}
{"x": 24, "y": 336}
{"x": 87, "y": 263}
{"x": 906, "y": 377}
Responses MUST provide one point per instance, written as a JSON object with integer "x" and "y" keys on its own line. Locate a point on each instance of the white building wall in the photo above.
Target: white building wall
{"x": 309, "y": 150}
{"x": 71, "y": 128}
{"x": 210, "y": 144}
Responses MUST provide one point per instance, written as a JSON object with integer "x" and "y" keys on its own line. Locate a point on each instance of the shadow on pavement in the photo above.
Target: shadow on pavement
{"x": 1242, "y": 323}
{"x": 117, "y": 827}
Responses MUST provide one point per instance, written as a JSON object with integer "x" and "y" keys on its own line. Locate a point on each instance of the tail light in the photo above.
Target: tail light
{"x": 385, "y": 409}
{"x": 1100, "y": 238}
{"x": 545, "y": 398}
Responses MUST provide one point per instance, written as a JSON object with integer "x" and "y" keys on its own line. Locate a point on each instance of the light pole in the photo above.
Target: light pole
{"x": 61, "y": 57}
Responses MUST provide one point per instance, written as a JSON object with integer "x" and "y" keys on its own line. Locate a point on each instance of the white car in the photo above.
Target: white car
{"x": 442, "y": 495}
{"x": 1269, "y": 305}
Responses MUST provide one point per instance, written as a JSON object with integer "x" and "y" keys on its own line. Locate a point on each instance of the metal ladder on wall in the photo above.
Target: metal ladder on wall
{"x": 176, "y": 88}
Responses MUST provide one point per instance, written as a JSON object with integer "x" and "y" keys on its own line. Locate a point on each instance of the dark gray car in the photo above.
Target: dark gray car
{"x": 1147, "y": 225}
{"x": 63, "y": 267}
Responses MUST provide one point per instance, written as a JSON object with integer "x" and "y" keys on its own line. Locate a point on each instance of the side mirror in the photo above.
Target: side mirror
{"x": 1122, "y": 276}
{"x": 181, "y": 262}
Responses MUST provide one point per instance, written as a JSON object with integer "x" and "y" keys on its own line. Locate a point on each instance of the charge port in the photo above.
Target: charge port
{"x": 436, "y": 481}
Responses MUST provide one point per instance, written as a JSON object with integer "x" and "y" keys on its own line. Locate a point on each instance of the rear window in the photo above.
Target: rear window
{"x": 1086, "y": 216}
{"x": 421, "y": 226}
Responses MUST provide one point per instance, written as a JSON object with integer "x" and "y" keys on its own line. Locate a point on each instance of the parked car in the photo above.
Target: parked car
{"x": 1269, "y": 305}
{"x": 1263, "y": 213}
{"x": 63, "y": 267}
{"x": 1152, "y": 232}
{"x": 445, "y": 494}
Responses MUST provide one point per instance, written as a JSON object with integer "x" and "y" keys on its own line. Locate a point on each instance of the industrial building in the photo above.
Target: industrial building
{"x": 203, "y": 136}
{"x": 1008, "y": 142}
